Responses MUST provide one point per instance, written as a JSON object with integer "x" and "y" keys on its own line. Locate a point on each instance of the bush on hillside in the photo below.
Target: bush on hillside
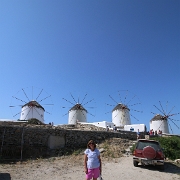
{"x": 171, "y": 146}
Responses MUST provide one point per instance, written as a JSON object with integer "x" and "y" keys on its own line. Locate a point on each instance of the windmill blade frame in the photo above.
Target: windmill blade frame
{"x": 129, "y": 104}
{"x": 78, "y": 110}
{"x": 28, "y": 108}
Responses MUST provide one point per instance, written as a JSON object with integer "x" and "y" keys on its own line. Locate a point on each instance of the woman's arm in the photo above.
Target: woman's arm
{"x": 85, "y": 163}
{"x": 100, "y": 167}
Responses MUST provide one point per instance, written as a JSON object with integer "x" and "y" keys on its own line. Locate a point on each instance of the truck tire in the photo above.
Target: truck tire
{"x": 135, "y": 163}
{"x": 149, "y": 152}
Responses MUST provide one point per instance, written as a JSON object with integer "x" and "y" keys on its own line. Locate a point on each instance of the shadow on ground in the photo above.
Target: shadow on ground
{"x": 168, "y": 168}
{"x": 5, "y": 176}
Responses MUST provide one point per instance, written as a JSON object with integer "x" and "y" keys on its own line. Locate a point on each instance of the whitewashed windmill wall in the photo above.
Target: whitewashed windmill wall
{"x": 77, "y": 113}
{"x": 159, "y": 122}
{"x": 31, "y": 110}
{"x": 121, "y": 116}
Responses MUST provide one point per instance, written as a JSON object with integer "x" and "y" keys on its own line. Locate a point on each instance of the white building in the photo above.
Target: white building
{"x": 104, "y": 124}
{"x": 10, "y": 120}
{"x": 135, "y": 127}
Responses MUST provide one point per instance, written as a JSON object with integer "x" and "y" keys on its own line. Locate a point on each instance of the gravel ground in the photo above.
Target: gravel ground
{"x": 71, "y": 168}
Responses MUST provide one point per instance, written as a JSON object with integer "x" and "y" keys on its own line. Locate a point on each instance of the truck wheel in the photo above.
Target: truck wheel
{"x": 135, "y": 163}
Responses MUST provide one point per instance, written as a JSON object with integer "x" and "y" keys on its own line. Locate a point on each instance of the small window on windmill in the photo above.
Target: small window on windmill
{"x": 41, "y": 115}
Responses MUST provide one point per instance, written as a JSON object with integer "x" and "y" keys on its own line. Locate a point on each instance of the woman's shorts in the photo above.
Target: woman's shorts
{"x": 93, "y": 173}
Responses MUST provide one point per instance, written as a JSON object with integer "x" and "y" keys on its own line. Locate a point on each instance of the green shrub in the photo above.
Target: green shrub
{"x": 77, "y": 152}
{"x": 133, "y": 148}
{"x": 171, "y": 146}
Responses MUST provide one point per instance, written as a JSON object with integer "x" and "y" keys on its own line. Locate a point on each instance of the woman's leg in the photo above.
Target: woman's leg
{"x": 96, "y": 173}
{"x": 89, "y": 174}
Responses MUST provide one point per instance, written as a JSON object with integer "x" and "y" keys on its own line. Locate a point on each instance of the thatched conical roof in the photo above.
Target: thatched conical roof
{"x": 120, "y": 106}
{"x": 33, "y": 103}
{"x": 78, "y": 107}
{"x": 158, "y": 117}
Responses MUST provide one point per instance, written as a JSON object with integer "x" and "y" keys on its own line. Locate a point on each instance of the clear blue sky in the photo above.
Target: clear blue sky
{"x": 93, "y": 47}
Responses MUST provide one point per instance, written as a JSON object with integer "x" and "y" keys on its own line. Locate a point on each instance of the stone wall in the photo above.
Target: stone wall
{"x": 31, "y": 139}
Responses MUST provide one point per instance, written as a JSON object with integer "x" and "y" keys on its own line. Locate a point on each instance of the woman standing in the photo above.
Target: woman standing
{"x": 92, "y": 161}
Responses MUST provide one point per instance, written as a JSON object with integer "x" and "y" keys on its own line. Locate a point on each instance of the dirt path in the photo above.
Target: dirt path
{"x": 71, "y": 168}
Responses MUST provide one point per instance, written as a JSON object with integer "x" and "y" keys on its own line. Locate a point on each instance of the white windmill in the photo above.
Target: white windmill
{"x": 78, "y": 113}
{"x": 162, "y": 121}
{"x": 121, "y": 115}
{"x": 122, "y": 111}
{"x": 159, "y": 122}
{"x": 31, "y": 109}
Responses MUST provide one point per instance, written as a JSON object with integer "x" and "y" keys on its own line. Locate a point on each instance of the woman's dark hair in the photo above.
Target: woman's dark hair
{"x": 91, "y": 142}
